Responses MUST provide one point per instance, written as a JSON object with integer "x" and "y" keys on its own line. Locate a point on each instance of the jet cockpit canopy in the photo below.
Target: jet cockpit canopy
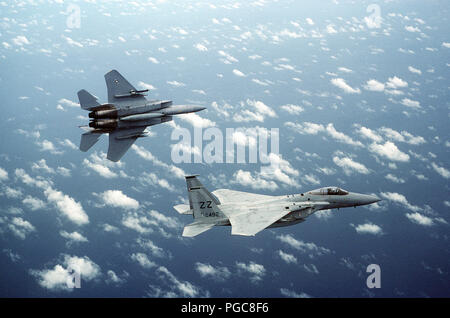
{"x": 329, "y": 191}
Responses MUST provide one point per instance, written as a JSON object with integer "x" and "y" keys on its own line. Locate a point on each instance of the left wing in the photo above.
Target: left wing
{"x": 251, "y": 220}
{"x": 88, "y": 139}
{"x": 254, "y": 219}
{"x": 121, "y": 140}
{"x": 120, "y": 90}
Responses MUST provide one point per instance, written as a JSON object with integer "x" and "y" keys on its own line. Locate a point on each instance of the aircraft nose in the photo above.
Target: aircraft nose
{"x": 197, "y": 108}
{"x": 369, "y": 199}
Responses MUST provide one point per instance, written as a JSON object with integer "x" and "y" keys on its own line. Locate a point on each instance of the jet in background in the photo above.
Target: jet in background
{"x": 125, "y": 116}
{"x": 250, "y": 213}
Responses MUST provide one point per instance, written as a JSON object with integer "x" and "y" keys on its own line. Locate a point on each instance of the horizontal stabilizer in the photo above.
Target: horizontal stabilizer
{"x": 183, "y": 209}
{"x": 88, "y": 139}
{"x": 87, "y": 100}
{"x": 196, "y": 228}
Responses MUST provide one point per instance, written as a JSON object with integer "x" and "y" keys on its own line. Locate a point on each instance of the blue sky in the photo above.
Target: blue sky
{"x": 359, "y": 93}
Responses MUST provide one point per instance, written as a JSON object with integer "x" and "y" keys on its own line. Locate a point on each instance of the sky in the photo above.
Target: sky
{"x": 358, "y": 92}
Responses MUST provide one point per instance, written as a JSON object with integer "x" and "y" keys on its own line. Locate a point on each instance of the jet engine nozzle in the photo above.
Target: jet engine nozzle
{"x": 104, "y": 123}
{"x": 109, "y": 113}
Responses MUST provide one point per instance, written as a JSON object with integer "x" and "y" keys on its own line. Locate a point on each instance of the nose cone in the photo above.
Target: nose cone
{"x": 369, "y": 199}
{"x": 198, "y": 108}
{"x": 181, "y": 109}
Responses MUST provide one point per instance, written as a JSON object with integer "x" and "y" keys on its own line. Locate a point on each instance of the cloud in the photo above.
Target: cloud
{"x": 201, "y": 47}
{"x": 254, "y": 110}
{"x": 67, "y": 205}
{"x": 3, "y": 174}
{"x": 411, "y": 28}
{"x": 33, "y": 203}
{"x": 289, "y": 293}
{"x": 152, "y": 247}
{"x": 257, "y": 271}
{"x": 20, "y": 227}
{"x": 20, "y": 40}
{"x": 414, "y": 70}
{"x": 196, "y": 120}
{"x": 183, "y": 288}
{"x": 410, "y": 103}
{"x": 153, "y": 60}
{"x": 113, "y": 278}
{"x": 117, "y": 199}
{"x": 369, "y": 228}
{"x": 396, "y": 82}
{"x": 238, "y": 73}
{"x": 340, "y": 82}
{"x": 153, "y": 180}
{"x": 394, "y": 178}
{"x": 441, "y": 170}
{"x": 389, "y": 150}
{"x": 304, "y": 247}
{"x": 279, "y": 169}
{"x": 42, "y": 165}
{"x": 100, "y": 168}
{"x": 61, "y": 277}
{"x": 292, "y": 109}
{"x": 374, "y": 86}
{"x": 419, "y": 219}
{"x": 218, "y": 273}
{"x": 142, "y": 260}
{"x": 137, "y": 223}
{"x": 400, "y": 199}
{"x": 66, "y": 142}
{"x": 73, "y": 237}
{"x": 147, "y": 155}
{"x": 286, "y": 257}
{"x": 47, "y": 145}
{"x": 370, "y": 134}
{"x": 176, "y": 83}
{"x": 64, "y": 203}
{"x": 246, "y": 178}
{"x": 349, "y": 166}
{"x": 68, "y": 102}
{"x": 339, "y": 136}
{"x": 146, "y": 86}
{"x": 306, "y": 128}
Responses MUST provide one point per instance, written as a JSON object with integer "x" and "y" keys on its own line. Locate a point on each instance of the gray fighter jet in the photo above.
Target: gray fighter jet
{"x": 125, "y": 116}
{"x": 250, "y": 213}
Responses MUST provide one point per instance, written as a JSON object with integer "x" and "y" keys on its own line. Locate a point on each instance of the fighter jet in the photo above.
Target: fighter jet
{"x": 250, "y": 213}
{"x": 125, "y": 116}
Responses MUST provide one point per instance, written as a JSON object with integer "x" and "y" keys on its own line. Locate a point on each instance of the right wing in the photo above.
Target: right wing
{"x": 120, "y": 90}
{"x": 121, "y": 140}
{"x": 230, "y": 196}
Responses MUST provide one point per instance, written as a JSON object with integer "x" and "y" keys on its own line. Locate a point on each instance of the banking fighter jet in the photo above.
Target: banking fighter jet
{"x": 125, "y": 116}
{"x": 250, "y": 213}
